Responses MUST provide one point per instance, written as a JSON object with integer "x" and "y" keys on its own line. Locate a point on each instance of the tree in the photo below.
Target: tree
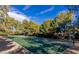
{"x": 63, "y": 19}
{"x": 26, "y": 27}
{"x": 75, "y": 10}
{"x": 3, "y": 13}
{"x": 44, "y": 28}
{"x": 30, "y": 27}
{"x": 3, "y": 17}
{"x": 12, "y": 26}
{"x": 58, "y": 24}
{"x": 34, "y": 28}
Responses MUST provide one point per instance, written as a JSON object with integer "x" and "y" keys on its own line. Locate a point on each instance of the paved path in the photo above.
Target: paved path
{"x": 73, "y": 50}
{"x": 10, "y": 47}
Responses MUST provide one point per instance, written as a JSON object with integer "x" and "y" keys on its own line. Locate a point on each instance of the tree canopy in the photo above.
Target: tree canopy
{"x": 61, "y": 23}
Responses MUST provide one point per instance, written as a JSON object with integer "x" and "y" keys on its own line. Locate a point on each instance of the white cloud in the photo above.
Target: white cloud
{"x": 26, "y": 7}
{"x": 17, "y": 16}
{"x": 46, "y": 10}
{"x": 32, "y": 17}
{"x": 15, "y": 10}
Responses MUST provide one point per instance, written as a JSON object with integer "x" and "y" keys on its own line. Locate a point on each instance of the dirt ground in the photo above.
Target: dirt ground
{"x": 74, "y": 49}
{"x": 10, "y": 47}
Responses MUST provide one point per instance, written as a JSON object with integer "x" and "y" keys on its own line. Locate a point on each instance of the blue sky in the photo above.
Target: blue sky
{"x": 37, "y": 13}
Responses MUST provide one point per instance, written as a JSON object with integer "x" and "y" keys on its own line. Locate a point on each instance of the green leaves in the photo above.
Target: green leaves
{"x": 30, "y": 27}
{"x": 49, "y": 27}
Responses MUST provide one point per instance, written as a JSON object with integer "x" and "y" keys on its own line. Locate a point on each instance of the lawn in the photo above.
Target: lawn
{"x": 37, "y": 45}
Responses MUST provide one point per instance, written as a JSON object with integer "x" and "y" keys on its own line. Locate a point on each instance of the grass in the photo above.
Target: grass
{"x": 39, "y": 45}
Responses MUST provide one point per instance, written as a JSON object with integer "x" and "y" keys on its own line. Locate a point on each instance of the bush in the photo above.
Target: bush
{"x": 3, "y": 34}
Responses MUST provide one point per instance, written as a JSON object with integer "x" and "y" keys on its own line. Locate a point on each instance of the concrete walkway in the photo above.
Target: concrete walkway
{"x": 11, "y": 47}
{"x": 73, "y": 50}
